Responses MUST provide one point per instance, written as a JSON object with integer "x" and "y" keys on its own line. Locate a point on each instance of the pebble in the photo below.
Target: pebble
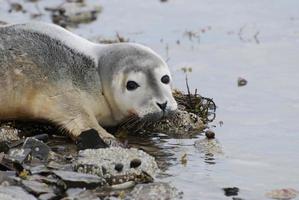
{"x": 210, "y": 134}
{"x": 242, "y": 82}
{"x": 283, "y": 194}
{"x": 231, "y": 191}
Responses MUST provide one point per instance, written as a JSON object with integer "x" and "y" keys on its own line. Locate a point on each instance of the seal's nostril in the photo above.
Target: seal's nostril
{"x": 162, "y": 106}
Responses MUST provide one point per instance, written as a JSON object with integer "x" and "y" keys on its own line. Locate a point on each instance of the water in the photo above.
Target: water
{"x": 257, "y": 40}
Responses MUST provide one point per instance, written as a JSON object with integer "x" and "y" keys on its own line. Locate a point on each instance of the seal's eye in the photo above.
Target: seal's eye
{"x": 132, "y": 85}
{"x": 165, "y": 79}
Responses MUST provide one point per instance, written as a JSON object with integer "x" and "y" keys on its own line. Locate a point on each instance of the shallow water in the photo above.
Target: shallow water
{"x": 257, "y": 40}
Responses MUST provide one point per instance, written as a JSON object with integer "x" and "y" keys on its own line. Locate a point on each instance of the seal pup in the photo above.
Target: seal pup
{"x": 47, "y": 72}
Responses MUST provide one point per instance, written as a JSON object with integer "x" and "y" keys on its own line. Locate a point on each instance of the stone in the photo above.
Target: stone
{"x": 93, "y": 161}
{"x": 79, "y": 180}
{"x": 35, "y": 187}
{"x": 154, "y": 191}
{"x": 82, "y": 194}
{"x": 283, "y": 194}
{"x": 4, "y": 146}
{"x": 39, "y": 149}
{"x": 231, "y": 191}
{"x": 14, "y": 193}
{"x": 21, "y": 155}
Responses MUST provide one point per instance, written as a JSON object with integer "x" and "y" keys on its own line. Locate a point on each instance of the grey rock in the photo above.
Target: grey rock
{"x": 154, "y": 191}
{"x": 208, "y": 146}
{"x": 14, "y": 193}
{"x": 39, "y": 149}
{"x": 20, "y": 155}
{"x": 79, "y": 180}
{"x": 78, "y": 193}
{"x": 36, "y": 188}
{"x": 102, "y": 162}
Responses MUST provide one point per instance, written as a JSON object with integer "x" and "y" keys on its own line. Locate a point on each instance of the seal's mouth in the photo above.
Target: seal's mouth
{"x": 134, "y": 123}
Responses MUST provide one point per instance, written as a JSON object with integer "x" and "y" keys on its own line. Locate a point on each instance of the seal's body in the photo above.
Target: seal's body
{"x": 49, "y": 73}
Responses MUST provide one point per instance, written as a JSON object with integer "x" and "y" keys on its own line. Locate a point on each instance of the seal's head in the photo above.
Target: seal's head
{"x": 136, "y": 81}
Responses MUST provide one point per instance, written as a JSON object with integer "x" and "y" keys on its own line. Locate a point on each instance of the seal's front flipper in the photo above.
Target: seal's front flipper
{"x": 90, "y": 139}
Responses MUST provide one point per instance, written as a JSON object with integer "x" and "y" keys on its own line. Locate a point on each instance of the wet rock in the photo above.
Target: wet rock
{"x": 39, "y": 169}
{"x": 42, "y": 137}
{"x": 36, "y": 188}
{"x": 17, "y": 7}
{"x": 10, "y": 164}
{"x": 77, "y": 193}
{"x": 20, "y": 155}
{"x": 90, "y": 139}
{"x": 93, "y": 161}
{"x": 79, "y": 180}
{"x": 74, "y": 13}
{"x": 8, "y": 133}
{"x": 4, "y": 146}
{"x": 231, "y": 191}
{"x": 283, "y": 194}
{"x": 208, "y": 146}
{"x": 242, "y": 82}
{"x": 5, "y": 179}
{"x": 48, "y": 196}
{"x": 154, "y": 191}
{"x": 14, "y": 193}
{"x": 38, "y": 149}
{"x": 210, "y": 134}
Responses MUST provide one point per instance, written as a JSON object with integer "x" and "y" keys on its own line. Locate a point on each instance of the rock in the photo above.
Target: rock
{"x": 48, "y": 196}
{"x": 208, "y": 146}
{"x": 283, "y": 194}
{"x": 8, "y": 133}
{"x": 14, "y": 193}
{"x": 90, "y": 139}
{"x": 154, "y": 191}
{"x": 231, "y": 191}
{"x": 242, "y": 82}
{"x": 102, "y": 162}
{"x": 36, "y": 188}
{"x": 80, "y": 180}
{"x": 5, "y": 179}
{"x": 4, "y": 146}
{"x": 210, "y": 134}
{"x": 39, "y": 169}
{"x": 39, "y": 149}
{"x": 74, "y": 13}
{"x": 42, "y": 137}
{"x": 179, "y": 123}
{"x": 20, "y": 155}
{"x": 8, "y": 163}
{"x": 77, "y": 193}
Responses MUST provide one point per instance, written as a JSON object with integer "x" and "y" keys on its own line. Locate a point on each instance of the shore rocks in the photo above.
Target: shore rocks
{"x": 154, "y": 191}
{"x": 14, "y": 193}
{"x": 125, "y": 164}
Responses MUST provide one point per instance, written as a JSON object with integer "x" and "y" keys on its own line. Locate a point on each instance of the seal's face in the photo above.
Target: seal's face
{"x": 143, "y": 86}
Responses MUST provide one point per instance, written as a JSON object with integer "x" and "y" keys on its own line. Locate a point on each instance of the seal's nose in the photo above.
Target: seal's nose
{"x": 162, "y": 106}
